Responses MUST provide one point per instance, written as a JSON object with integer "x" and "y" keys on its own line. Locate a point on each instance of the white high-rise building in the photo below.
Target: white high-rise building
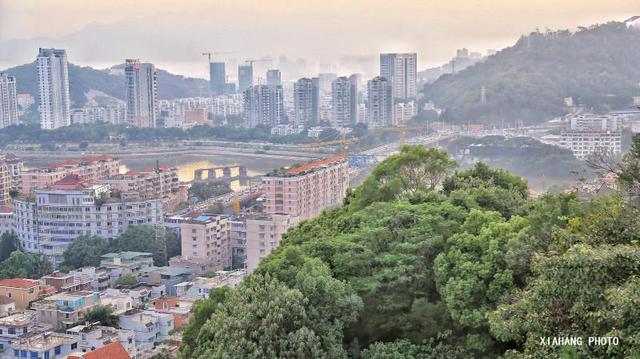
{"x": 306, "y": 101}
{"x": 8, "y": 101}
{"x": 342, "y": 103}
{"x": 142, "y": 93}
{"x": 53, "y": 81}
{"x": 379, "y": 102}
{"x": 401, "y": 70}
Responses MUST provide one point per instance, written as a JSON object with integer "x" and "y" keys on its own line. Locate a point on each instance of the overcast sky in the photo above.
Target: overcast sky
{"x": 173, "y": 34}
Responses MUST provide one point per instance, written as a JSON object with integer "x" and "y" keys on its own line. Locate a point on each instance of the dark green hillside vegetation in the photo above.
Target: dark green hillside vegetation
{"x": 597, "y": 66}
{"x": 84, "y": 78}
{"x": 522, "y": 156}
{"x": 423, "y": 261}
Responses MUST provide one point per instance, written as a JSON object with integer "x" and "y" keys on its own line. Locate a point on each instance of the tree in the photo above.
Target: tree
{"x": 127, "y": 280}
{"x": 201, "y": 312}
{"x": 208, "y": 189}
{"x": 404, "y": 349}
{"x": 102, "y": 314}
{"x": 85, "y": 251}
{"x": 8, "y": 244}
{"x": 146, "y": 238}
{"x": 279, "y": 322}
{"x": 415, "y": 169}
{"x": 22, "y": 265}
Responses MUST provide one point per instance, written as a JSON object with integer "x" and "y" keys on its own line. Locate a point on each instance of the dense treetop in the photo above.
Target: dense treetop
{"x": 436, "y": 264}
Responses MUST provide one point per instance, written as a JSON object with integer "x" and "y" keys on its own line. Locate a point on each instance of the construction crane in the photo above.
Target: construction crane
{"x": 252, "y": 61}
{"x": 209, "y": 54}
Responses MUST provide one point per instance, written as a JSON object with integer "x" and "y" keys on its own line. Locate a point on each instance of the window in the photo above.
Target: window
{"x": 57, "y": 350}
{"x": 74, "y": 346}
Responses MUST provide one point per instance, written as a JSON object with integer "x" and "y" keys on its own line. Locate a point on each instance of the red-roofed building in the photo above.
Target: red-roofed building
{"x": 89, "y": 169}
{"x": 70, "y": 181}
{"x": 293, "y": 195}
{"x": 24, "y": 291}
{"x": 113, "y": 350}
{"x": 306, "y": 190}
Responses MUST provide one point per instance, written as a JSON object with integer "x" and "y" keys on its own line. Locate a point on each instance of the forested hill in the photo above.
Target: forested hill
{"x": 426, "y": 262}
{"x": 83, "y": 79}
{"x": 598, "y": 66}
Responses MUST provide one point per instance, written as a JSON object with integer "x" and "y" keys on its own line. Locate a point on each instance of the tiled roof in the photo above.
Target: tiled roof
{"x": 70, "y": 181}
{"x": 315, "y": 164}
{"x": 113, "y": 350}
{"x": 18, "y": 283}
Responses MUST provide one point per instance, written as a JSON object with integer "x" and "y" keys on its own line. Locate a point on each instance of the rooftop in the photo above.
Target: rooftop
{"x": 45, "y": 341}
{"x": 307, "y": 167}
{"x": 70, "y": 181}
{"x": 19, "y": 283}
{"x": 127, "y": 255}
{"x": 18, "y": 319}
{"x": 113, "y": 350}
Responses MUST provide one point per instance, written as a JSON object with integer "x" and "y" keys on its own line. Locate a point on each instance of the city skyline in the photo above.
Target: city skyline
{"x": 275, "y": 28}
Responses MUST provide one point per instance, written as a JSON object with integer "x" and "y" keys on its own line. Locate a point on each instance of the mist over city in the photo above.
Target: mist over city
{"x": 319, "y": 179}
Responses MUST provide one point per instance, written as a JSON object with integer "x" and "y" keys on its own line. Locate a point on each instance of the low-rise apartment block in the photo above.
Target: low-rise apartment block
{"x": 89, "y": 169}
{"x": 206, "y": 244}
{"x": 306, "y": 190}
{"x": 48, "y": 221}
{"x": 63, "y": 310}
{"x": 24, "y": 291}
{"x": 589, "y": 134}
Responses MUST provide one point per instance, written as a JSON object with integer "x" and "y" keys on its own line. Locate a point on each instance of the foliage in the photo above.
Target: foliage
{"x": 404, "y": 349}
{"x": 127, "y": 280}
{"x": 529, "y": 80}
{"x": 86, "y": 78}
{"x": 22, "y": 265}
{"x": 207, "y": 189}
{"x": 8, "y": 244}
{"x": 102, "y": 314}
{"x": 85, "y": 251}
{"x": 281, "y": 325}
{"x": 88, "y": 250}
{"x": 464, "y": 267}
{"x": 201, "y": 312}
{"x": 521, "y": 156}
{"x": 414, "y": 170}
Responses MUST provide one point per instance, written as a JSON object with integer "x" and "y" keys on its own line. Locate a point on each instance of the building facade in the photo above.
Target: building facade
{"x": 217, "y": 78}
{"x": 142, "y": 93}
{"x": 342, "y": 101}
{"x": 401, "y": 70}
{"x": 306, "y": 101}
{"x": 379, "y": 102}
{"x": 206, "y": 243}
{"x": 306, "y": 190}
{"x": 245, "y": 77}
{"x": 8, "y": 101}
{"x": 90, "y": 169}
{"x": 53, "y": 85}
{"x": 589, "y": 134}
{"x": 263, "y": 105}
{"x": 50, "y": 220}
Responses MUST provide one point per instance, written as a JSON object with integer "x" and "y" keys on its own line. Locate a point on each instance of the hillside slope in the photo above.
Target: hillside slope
{"x": 83, "y": 79}
{"x": 598, "y": 66}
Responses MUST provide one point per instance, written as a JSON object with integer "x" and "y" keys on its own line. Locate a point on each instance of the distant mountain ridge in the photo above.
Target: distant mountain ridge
{"x": 83, "y": 79}
{"x": 598, "y": 66}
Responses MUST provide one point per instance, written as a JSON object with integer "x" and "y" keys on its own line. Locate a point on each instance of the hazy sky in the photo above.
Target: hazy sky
{"x": 172, "y": 34}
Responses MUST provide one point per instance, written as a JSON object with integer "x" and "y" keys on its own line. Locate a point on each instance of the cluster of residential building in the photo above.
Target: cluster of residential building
{"x": 51, "y": 206}
{"x": 386, "y": 100}
{"x": 49, "y": 317}
{"x": 586, "y": 134}
{"x": 341, "y": 101}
